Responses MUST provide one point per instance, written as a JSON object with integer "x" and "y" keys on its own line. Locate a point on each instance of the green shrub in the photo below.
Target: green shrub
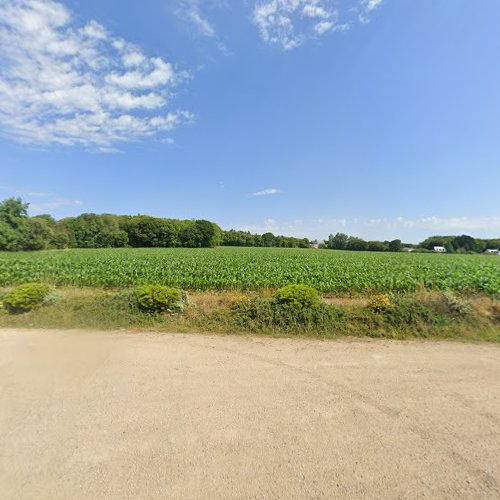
{"x": 158, "y": 299}
{"x": 298, "y": 297}
{"x": 26, "y": 297}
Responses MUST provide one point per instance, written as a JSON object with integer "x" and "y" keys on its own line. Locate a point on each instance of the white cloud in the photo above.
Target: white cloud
{"x": 202, "y": 24}
{"x": 266, "y": 192}
{"x": 294, "y": 228}
{"x": 65, "y": 84}
{"x": 366, "y": 7}
{"x": 452, "y": 223}
{"x": 380, "y": 228}
{"x": 290, "y": 23}
{"x": 194, "y": 12}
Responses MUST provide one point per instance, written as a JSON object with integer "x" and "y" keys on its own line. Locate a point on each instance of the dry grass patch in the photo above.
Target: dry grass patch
{"x": 350, "y": 302}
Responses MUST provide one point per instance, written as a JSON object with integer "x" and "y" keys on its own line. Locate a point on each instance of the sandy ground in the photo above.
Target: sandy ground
{"x": 89, "y": 415}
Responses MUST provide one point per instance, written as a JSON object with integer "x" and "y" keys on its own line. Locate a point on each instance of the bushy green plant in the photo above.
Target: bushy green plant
{"x": 158, "y": 298}
{"x": 26, "y": 297}
{"x": 298, "y": 297}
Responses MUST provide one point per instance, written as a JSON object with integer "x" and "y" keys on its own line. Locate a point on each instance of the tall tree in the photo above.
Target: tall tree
{"x": 14, "y": 227}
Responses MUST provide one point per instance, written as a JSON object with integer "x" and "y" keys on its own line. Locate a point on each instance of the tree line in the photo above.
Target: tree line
{"x": 18, "y": 231}
{"x": 452, "y": 244}
{"x": 461, "y": 244}
{"x": 234, "y": 238}
{"x": 343, "y": 241}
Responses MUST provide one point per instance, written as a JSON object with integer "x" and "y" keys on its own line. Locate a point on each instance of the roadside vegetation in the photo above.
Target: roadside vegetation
{"x": 292, "y": 310}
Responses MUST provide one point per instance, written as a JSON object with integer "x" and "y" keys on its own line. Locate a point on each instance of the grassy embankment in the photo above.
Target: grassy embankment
{"x": 420, "y": 314}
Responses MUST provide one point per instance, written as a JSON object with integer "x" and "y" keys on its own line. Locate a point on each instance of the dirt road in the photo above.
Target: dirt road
{"x": 89, "y": 415}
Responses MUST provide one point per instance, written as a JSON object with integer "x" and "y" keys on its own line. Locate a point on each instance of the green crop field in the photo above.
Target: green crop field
{"x": 254, "y": 268}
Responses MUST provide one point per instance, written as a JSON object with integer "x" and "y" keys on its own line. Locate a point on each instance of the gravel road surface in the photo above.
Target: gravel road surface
{"x": 92, "y": 415}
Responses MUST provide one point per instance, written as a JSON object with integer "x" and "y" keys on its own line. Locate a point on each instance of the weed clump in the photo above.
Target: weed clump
{"x": 292, "y": 309}
{"x": 457, "y": 306}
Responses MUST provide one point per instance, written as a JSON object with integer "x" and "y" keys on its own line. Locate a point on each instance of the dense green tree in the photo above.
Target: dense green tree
{"x": 14, "y": 227}
{"x": 449, "y": 247}
{"x": 358, "y": 244}
{"x": 464, "y": 242}
{"x": 9, "y": 238}
{"x": 95, "y": 231}
{"x": 234, "y": 238}
{"x": 144, "y": 231}
{"x": 210, "y": 234}
{"x": 457, "y": 244}
{"x": 436, "y": 241}
{"x": 395, "y": 246}
{"x": 494, "y": 243}
{"x": 268, "y": 240}
{"x": 40, "y": 234}
{"x": 377, "y": 246}
{"x": 14, "y": 212}
{"x": 337, "y": 242}
{"x": 60, "y": 237}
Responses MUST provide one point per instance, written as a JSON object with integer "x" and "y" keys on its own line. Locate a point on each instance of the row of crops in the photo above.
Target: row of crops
{"x": 253, "y": 268}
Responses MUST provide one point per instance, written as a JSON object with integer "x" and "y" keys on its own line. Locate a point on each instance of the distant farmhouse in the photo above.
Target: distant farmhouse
{"x": 492, "y": 251}
{"x": 318, "y": 244}
{"x": 440, "y": 249}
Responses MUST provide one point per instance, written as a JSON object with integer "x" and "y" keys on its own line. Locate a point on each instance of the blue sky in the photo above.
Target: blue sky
{"x": 300, "y": 117}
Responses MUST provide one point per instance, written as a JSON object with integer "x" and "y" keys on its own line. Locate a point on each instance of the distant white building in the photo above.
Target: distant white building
{"x": 317, "y": 244}
{"x": 492, "y": 251}
{"x": 440, "y": 249}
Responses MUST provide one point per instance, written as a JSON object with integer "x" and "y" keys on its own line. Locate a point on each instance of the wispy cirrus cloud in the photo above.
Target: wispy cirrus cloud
{"x": 284, "y": 23}
{"x": 266, "y": 192}
{"x": 62, "y": 83}
{"x": 366, "y": 7}
{"x": 198, "y": 13}
{"x": 191, "y": 11}
{"x": 290, "y": 23}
